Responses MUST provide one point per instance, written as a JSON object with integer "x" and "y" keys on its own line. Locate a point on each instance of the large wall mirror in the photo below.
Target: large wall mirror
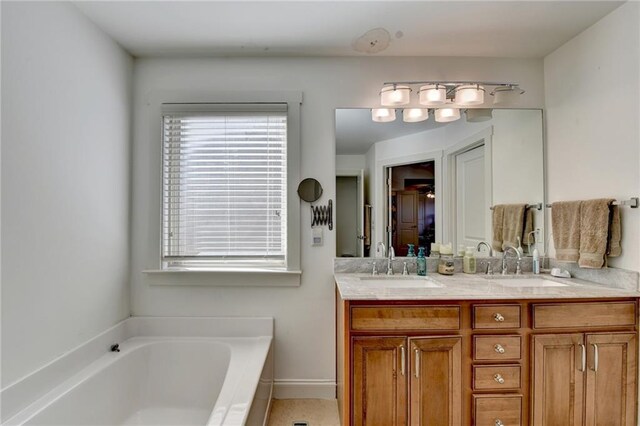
{"x": 416, "y": 183}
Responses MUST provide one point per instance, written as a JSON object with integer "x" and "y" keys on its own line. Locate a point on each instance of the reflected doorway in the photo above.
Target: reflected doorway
{"x": 350, "y": 236}
{"x": 412, "y": 209}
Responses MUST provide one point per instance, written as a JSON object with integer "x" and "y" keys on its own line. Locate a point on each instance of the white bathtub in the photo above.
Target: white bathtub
{"x": 169, "y": 371}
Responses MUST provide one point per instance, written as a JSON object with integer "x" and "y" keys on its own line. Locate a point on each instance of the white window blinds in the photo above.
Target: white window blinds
{"x": 224, "y": 184}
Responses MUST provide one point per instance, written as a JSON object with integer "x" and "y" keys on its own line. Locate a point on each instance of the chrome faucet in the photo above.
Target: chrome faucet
{"x": 489, "y": 264}
{"x": 534, "y": 233}
{"x": 392, "y": 255}
{"x": 384, "y": 249}
{"x": 504, "y": 260}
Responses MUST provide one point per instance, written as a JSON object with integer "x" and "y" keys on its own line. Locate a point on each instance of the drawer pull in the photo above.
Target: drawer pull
{"x": 498, "y": 378}
{"x": 402, "y": 360}
{"x": 498, "y": 317}
{"x": 499, "y": 422}
{"x": 417, "y": 372}
{"x": 499, "y": 348}
{"x": 583, "y": 364}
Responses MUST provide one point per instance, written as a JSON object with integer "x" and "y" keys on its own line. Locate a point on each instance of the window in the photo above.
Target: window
{"x": 224, "y": 186}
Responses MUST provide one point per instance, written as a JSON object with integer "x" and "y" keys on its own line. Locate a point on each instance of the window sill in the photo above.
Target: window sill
{"x": 226, "y": 277}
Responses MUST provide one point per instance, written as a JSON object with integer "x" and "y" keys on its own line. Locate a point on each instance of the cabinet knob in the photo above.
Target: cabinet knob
{"x": 498, "y": 317}
{"x": 499, "y": 348}
{"x": 499, "y": 422}
{"x": 498, "y": 378}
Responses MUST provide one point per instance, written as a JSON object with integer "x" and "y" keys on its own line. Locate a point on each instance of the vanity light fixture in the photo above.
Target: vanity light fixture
{"x": 414, "y": 115}
{"x": 432, "y": 95}
{"x": 383, "y": 115}
{"x": 478, "y": 115}
{"x": 395, "y": 95}
{"x": 446, "y": 115}
{"x": 441, "y": 94}
{"x": 469, "y": 94}
{"x": 505, "y": 95}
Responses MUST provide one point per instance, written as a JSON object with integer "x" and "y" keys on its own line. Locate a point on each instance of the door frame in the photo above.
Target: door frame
{"x": 483, "y": 137}
{"x": 382, "y": 214}
{"x": 359, "y": 174}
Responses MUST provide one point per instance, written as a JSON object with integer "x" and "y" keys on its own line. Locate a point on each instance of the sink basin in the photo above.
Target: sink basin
{"x": 528, "y": 282}
{"x": 400, "y": 282}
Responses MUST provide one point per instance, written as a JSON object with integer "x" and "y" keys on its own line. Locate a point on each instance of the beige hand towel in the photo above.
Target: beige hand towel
{"x": 497, "y": 219}
{"x": 565, "y": 225}
{"x": 513, "y": 224}
{"x": 615, "y": 233}
{"x": 594, "y": 232}
{"x": 527, "y": 237}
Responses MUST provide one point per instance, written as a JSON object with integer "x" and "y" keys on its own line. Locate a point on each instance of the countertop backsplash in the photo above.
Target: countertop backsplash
{"x": 611, "y": 277}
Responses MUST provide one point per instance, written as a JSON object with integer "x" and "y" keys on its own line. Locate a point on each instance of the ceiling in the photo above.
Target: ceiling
{"x": 356, "y": 132}
{"x": 520, "y": 29}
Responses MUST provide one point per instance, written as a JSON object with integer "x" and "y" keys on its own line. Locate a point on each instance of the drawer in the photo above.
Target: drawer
{"x": 493, "y": 410}
{"x": 496, "y": 377}
{"x": 496, "y": 348}
{"x": 576, "y": 315}
{"x": 496, "y": 316}
{"x": 405, "y": 317}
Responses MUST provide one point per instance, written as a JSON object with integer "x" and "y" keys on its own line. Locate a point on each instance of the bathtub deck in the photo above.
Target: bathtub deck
{"x": 167, "y": 416}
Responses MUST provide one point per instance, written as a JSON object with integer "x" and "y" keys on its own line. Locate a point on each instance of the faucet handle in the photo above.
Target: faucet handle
{"x": 518, "y": 268}
{"x": 405, "y": 271}
{"x": 375, "y": 269}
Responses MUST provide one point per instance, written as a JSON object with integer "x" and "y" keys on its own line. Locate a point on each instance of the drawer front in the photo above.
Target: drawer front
{"x": 496, "y": 348}
{"x": 494, "y": 410}
{"x": 496, "y": 377}
{"x": 576, "y": 315}
{"x": 496, "y": 316}
{"x": 405, "y": 318}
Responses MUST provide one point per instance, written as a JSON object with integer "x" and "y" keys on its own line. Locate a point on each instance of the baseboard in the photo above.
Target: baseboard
{"x": 297, "y": 389}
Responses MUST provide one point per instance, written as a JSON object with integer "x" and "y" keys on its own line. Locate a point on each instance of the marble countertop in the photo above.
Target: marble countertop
{"x": 358, "y": 286}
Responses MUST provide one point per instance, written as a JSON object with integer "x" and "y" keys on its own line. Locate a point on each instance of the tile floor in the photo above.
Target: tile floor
{"x": 317, "y": 412}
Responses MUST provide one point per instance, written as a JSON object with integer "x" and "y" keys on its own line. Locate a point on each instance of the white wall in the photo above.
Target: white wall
{"x": 351, "y": 162}
{"x": 305, "y": 329}
{"x": 66, "y": 106}
{"x": 592, "y": 87}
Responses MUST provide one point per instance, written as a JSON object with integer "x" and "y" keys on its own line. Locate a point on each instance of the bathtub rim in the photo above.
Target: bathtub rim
{"x": 22, "y": 393}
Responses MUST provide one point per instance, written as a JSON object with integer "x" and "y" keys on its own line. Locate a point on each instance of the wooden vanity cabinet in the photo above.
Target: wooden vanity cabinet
{"x": 487, "y": 363}
{"x": 586, "y": 377}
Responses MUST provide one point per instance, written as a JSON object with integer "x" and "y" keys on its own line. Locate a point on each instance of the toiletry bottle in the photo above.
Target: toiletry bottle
{"x": 410, "y": 251}
{"x": 469, "y": 261}
{"x": 421, "y": 262}
{"x": 536, "y": 261}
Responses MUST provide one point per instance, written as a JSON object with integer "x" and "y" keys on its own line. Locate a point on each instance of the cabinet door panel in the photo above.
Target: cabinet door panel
{"x": 611, "y": 384}
{"x": 436, "y": 386}
{"x": 558, "y": 382}
{"x": 379, "y": 387}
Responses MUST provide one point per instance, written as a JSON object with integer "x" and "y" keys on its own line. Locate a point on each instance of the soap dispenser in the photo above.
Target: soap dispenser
{"x": 421, "y": 262}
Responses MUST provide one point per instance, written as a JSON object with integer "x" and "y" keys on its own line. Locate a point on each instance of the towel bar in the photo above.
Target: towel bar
{"x": 537, "y": 206}
{"x": 632, "y": 202}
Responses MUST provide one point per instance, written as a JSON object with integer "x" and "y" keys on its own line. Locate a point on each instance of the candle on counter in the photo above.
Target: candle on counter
{"x": 435, "y": 247}
{"x": 446, "y": 249}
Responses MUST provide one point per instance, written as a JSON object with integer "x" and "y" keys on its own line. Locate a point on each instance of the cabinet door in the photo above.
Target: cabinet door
{"x": 611, "y": 379}
{"x": 436, "y": 384}
{"x": 559, "y": 361}
{"x": 379, "y": 381}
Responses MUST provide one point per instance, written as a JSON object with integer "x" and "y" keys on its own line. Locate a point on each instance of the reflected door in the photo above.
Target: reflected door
{"x": 471, "y": 202}
{"x": 407, "y": 221}
{"x": 349, "y": 216}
